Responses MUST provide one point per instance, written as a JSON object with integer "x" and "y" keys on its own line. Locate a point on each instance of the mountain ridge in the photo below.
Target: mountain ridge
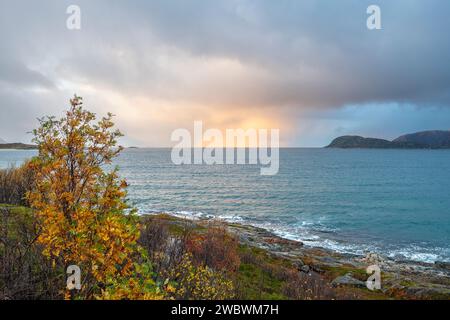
{"x": 432, "y": 139}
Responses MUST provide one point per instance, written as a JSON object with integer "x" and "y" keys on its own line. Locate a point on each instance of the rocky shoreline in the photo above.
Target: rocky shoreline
{"x": 417, "y": 279}
{"x": 399, "y": 279}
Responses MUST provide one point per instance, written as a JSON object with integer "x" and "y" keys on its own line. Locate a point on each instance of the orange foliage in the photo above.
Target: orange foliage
{"x": 80, "y": 207}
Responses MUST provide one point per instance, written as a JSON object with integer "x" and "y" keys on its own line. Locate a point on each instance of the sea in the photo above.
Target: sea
{"x": 394, "y": 202}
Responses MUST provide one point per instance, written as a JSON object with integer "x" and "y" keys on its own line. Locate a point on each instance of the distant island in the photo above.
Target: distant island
{"x": 17, "y": 146}
{"x": 436, "y": 139}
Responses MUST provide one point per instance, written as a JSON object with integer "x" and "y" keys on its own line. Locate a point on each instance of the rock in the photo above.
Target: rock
{"x": 298, "y": 264}
{"x": 317, "y": 269}
{"x": 330, "y": 261}
{"x": 442, "y": 265}
{"x": 305, "y": 269}
{"x": 347, "y": 280}
{"x": 373, "y": 258}
{"x": 251, "y": 239}
{"x": 426, "y": 292}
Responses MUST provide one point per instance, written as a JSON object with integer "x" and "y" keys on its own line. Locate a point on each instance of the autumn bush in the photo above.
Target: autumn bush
{"x": 164, "y": 248}
{"x": 307, "y": 286}
{"x": 198, "y": 282}
{"x": 215, "y": 248}
{"x": 180, "y": 263}
{"x": 79, "y": 206}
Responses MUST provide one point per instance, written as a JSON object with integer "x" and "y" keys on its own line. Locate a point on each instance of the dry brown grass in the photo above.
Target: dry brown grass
{"x": 15, "y": 182}
{"x": 25, "y": 274}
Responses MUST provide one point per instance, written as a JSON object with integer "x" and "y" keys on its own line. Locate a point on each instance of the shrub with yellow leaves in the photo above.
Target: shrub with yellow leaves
{"x": 138, "y": 285}
{"x": 189, "y": 281}
{"x": 83, "y": 217}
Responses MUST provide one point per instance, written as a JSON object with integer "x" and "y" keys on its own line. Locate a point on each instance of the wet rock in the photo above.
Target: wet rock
{"x": 272, "y": 239}
{"x": 442, "y": 265}
{"x": 347, "y": 280}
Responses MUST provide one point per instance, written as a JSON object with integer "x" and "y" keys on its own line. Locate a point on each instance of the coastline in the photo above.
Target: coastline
{"x": 318, "y": 239}
{"x": 400, "y": 278}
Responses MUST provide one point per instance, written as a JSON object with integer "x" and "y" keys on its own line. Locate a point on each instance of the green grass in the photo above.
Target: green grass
{"x": 255, "y": 283}
{"x": 255, "y": 279}
{"x": 334, "y": 272}
{"x": 20, "y": 216}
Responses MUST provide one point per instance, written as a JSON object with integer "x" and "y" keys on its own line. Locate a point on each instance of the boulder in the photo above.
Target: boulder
{"x": 373, "y": 259}
{"x": 317, "y": 269}
{"x": 348, "y": 280}
{"x": 298, "y": 264}
{"x": 305, "y": 269}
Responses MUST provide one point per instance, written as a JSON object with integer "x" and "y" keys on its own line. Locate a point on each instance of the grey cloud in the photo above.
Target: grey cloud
{"x": 406, "y": 61}
{"x": 314, "y": 53}
{"x": 295, "y": 55}
{"x": 15, "y": 74}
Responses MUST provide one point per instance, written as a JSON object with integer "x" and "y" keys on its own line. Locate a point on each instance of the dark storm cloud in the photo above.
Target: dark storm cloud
{"x": 316, "y": 53}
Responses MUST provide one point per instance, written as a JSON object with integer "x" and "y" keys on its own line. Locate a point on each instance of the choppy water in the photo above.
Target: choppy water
{"x": 396, "y": 202}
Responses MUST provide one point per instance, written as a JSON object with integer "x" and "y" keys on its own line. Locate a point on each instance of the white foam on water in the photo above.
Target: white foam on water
{"x": 192, "y": 215}
{"x": 231, "y": 218}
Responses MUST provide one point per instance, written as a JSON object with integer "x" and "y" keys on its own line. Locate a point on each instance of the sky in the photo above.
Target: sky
{"x": 310, "y": 68}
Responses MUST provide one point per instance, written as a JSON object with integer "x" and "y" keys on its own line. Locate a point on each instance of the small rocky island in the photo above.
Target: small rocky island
{"x": 436, "y": 139}
{"x": 17, "y": 146}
